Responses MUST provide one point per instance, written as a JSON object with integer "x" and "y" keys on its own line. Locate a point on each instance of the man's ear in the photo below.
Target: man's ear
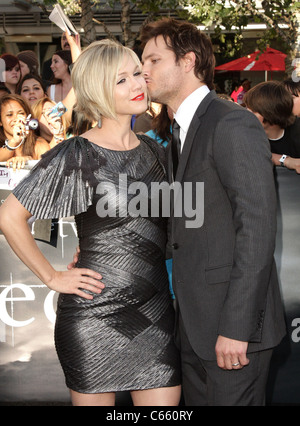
{"x": 189, "y": 61}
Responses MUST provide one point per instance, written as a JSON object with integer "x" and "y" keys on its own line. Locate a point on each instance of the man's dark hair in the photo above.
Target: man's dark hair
{"x": 273, "y": 102}
{"x": 183, "y": 37}
{"x": 292, "y": 86}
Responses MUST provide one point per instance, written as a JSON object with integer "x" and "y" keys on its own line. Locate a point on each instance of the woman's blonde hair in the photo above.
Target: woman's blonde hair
{"x": 94, "y": 78}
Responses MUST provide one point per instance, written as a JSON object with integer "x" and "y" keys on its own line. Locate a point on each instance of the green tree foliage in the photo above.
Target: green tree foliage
{"x": 218, "y": 15}
{"x": 224, "y": 19}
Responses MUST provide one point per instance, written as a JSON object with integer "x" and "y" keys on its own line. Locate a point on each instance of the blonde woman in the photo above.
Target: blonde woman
{"x": 117, "y": 336}
{"x": 52, "y": 126}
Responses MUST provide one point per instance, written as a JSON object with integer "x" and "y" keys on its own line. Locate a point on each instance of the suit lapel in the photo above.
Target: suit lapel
{"x": 170, "y": 163}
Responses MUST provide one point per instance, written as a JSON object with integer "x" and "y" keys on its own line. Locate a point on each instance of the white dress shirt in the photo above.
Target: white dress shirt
{"x": 187, "y": 109}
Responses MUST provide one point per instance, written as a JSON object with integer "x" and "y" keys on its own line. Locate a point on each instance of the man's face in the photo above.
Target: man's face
{"x": 247, "y": 85}
{"x": 164, "y": 77}
{"x": 64, "y": 42}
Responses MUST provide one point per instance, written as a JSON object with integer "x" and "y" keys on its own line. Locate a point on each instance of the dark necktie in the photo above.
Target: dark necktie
{"x": 175, "y": 146}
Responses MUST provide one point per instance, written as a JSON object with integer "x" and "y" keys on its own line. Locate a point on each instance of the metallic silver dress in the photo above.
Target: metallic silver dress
{"x": 123, "y": 338}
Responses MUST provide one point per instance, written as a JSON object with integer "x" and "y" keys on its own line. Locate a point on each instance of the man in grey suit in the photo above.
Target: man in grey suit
{"x": 229, "y": 308}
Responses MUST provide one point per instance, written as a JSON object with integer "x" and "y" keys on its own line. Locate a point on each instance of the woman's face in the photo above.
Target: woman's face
{"x": 131, "y": 90}
{"x": 58, "y": 67}
{"x": 49, "y": 120}
{"x": 11, "y": 113}
{"x": 24, "y": 69}
{"x": 12, "y": 76}
{"x": 32, "y": 91}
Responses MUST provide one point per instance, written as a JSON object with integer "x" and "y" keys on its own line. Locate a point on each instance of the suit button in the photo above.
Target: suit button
{"x": 175, "y": 246}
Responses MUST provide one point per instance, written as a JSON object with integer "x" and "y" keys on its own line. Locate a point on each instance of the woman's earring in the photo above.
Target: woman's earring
{"x": 99, "y": 123}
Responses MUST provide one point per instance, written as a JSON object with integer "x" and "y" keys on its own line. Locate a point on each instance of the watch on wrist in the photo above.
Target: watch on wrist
{"x": 282, "y": 160}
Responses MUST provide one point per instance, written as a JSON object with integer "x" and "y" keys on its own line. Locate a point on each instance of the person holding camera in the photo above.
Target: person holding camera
{"x": 18, "y": 141}
{"x": 52, "y": 121}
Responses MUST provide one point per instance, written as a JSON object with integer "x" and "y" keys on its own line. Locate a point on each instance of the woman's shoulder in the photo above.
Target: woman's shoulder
{"x": 72, "y": 155}
{"x": 152, "y": 143}
{"x": 75, "y": 144}
{"x": 51, "y": 91}
{"x": 51, "y": 88}
{"x": 158, "y": 150}
{"x": 62, "y": 183}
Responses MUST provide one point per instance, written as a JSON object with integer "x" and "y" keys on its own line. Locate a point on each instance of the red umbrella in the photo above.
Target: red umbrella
{"x": 269, "y": 60}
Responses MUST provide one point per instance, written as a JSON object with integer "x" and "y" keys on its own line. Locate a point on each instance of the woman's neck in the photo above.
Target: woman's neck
{"x": 63, "y": 87}
{"x": 11, "y": 87}
{"x": 66, "y": 80}
{"x": 114, "y": 134}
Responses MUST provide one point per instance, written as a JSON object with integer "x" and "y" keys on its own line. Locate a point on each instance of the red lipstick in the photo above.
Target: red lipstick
{"x": 140, "y": 97}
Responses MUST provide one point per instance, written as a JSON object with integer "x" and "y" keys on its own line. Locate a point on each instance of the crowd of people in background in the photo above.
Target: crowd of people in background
{"x": 25, "y": 95}
{"x": 275, "y": 103}
{"x": 20, "y": 79}
{"x": 237, "y": 323}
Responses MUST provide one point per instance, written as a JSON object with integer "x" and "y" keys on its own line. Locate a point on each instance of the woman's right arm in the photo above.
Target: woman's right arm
{"x": 13, "y": 223}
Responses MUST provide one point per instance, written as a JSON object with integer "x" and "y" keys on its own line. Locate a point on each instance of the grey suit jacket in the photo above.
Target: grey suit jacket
{"x": 224, "y": 274}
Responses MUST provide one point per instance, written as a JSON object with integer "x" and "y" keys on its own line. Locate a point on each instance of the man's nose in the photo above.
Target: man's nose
{"x": 145, "y": 71}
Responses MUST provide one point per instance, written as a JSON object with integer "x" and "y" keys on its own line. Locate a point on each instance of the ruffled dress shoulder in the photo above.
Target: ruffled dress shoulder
{"x": 62, "y": 184}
